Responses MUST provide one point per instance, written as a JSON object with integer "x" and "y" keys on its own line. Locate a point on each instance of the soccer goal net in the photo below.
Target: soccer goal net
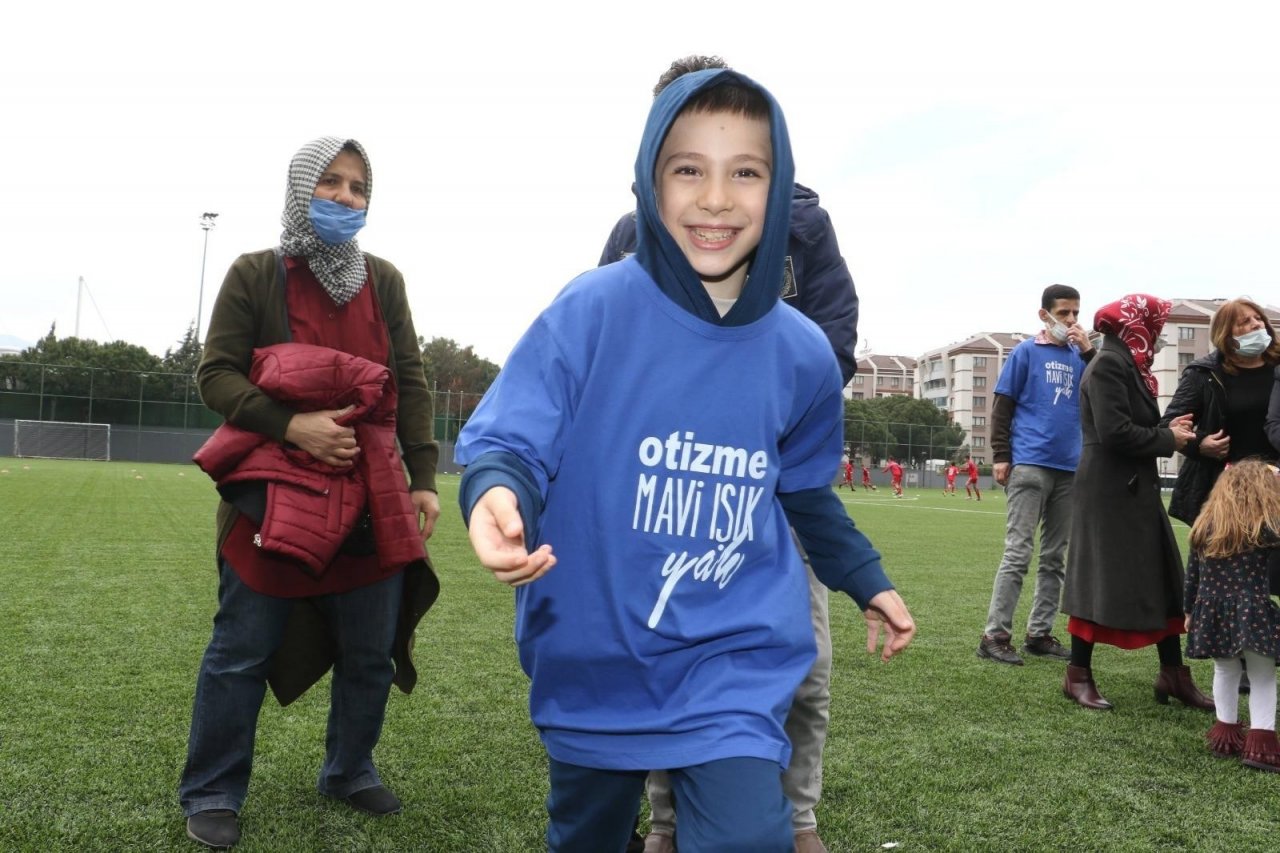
{"x": 62, "y": 440}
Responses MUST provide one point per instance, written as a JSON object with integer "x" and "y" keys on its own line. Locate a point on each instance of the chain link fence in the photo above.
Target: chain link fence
{"x": 157, "y": 416}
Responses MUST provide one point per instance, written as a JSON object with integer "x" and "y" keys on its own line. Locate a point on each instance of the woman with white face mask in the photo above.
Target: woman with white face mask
{"x": 1227, "y": 392}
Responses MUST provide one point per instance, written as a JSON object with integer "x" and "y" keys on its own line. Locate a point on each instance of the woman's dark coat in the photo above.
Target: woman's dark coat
{"x": 1202, "y": 394}
{"x": 1124, "y": 569}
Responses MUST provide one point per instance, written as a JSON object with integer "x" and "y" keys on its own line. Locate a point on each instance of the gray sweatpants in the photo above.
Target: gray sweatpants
{"x": 1037, "y": 497}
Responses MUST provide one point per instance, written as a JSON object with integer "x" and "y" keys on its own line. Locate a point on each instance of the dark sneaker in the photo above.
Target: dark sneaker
{"x": 378, "y": 801}
{"x": 998, "y": 649}
{"x": 1045, "y": 646}
{"x": 216, "y": 828}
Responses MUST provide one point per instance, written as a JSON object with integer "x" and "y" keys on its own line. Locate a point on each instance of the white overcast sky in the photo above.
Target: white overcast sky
{"x": 969, "y": 154}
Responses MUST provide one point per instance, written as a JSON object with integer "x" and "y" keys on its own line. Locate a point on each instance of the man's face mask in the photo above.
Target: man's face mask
{"x": 1055, "y": 328}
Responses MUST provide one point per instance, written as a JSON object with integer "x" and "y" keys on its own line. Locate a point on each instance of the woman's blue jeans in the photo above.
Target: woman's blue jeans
{"x": 247, "y": 630}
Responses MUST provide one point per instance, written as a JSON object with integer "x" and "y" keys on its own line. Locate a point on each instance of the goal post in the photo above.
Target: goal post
{"x": 62, "y": 440}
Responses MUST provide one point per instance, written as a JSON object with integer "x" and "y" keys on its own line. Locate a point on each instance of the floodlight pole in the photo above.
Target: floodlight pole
{"x": 207, "y": 223}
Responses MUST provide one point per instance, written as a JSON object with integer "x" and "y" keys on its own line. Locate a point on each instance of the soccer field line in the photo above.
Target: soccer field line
{"x": 913, "y": 503}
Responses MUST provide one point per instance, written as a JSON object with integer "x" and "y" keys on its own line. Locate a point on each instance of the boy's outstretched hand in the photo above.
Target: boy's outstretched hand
{"x": 497, "y": 535}
{"x": 889, "y": 611}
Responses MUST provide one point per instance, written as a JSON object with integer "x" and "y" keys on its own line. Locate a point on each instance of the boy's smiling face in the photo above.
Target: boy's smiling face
{"x": 713, "y": 177}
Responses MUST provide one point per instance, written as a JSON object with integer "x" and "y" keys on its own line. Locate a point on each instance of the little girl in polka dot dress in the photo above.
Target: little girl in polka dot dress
{"x": 1230, "y": 614}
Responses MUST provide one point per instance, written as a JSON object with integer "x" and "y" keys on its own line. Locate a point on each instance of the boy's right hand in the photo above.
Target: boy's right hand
{"x": 887, "y": 610}
{"x": 497, "y": 536}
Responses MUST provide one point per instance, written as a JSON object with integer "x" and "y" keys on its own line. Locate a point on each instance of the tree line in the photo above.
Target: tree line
{"x": 906, "y": 428}
{"x": 76, "y": 367}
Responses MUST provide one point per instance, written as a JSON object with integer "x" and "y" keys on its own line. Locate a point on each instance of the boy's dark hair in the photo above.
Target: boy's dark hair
{"x": 1054, "y": 292}
{"x": 731, "y": 97}
{"x": 686, "y": 65}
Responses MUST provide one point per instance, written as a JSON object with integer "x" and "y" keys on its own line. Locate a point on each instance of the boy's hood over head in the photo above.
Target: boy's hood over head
{"x": 657, "y": 251}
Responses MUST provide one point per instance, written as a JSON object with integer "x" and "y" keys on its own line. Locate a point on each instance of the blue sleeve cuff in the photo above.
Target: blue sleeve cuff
{"x": 498, "y": 468}
{"x": 841, "y": 555}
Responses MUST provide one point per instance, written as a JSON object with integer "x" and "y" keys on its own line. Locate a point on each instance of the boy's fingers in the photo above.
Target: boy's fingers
{"x": 873, "y": 635}
{"x": 506, "y": 516}
{"x": 537, "y": 565}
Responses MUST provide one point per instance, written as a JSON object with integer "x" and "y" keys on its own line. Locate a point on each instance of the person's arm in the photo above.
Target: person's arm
{"x": 415, "y": 412}
{"x": 500, "y": 505}
{"x": 843, "y": 559}
{"x": 1191, "y": 587}
{"x": 1188, "y": 399}
{"x": 511, "y": 447}
{"x": 1009, "y": 389}
{"x": 1113, "y": 414}
{"x": 1273, "y": 413}
{"x": 223, "y": 373}
{"x": 828, "y": 296}
{"x": 1002, "y": 408}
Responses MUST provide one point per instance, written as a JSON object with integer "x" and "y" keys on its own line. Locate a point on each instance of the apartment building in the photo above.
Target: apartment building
{"x": 882, "y": 376}
{"x": 961, "y": 378}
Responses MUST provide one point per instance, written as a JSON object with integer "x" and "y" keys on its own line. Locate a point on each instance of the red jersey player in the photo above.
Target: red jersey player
{"x": 895, "y": 473}
{"x": 972, "y": 483}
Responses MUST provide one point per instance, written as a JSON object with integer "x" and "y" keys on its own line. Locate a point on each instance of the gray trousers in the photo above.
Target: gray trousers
{"x": 806, "y": 727}
{"x": 1036, "y": 497}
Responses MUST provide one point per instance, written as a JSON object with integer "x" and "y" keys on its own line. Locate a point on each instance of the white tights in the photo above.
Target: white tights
{"x": 1262, "y": 689}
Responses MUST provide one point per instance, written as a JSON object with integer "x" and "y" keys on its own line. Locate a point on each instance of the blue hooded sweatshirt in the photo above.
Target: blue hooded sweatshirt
{"x": 662, "y": 451}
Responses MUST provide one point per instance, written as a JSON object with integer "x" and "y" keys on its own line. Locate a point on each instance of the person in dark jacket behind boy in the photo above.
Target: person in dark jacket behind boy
{"x": 816, "y": 282}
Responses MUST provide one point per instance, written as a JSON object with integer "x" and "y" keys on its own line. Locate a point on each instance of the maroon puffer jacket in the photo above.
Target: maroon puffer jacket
{"x": 311, "y": 506}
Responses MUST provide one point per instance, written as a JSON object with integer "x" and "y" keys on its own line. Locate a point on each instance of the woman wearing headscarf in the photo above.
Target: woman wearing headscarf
{"x": 1124, "y": 570}
{"x": 1226, "y": 393}
{"x": 316, "y": 298}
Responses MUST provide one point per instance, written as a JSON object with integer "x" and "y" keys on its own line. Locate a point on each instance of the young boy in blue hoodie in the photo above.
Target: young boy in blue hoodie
{"x": 676, "y": 629}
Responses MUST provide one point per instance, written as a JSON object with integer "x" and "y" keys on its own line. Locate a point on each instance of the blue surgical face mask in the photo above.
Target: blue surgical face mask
{"x": 335, "y": 223}
{"x": 1254, "y": 343}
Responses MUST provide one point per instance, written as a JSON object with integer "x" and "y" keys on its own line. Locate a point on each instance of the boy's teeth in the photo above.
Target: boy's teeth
{"x": 712, "y": 236}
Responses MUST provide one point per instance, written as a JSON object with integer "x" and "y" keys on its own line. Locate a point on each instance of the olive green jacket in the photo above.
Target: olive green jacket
{"x": 251, "y": 312}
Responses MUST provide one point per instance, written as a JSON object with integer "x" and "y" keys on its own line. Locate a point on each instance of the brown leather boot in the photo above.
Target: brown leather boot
{"x": 1079, "y": 688}
{"x": 1261, "y": 751}
{"x": 1225, "y": 739}
{"x": 1176, "y": 681}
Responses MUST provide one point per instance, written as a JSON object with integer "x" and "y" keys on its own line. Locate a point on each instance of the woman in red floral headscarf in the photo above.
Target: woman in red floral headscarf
{"x": 1124, "y": 570}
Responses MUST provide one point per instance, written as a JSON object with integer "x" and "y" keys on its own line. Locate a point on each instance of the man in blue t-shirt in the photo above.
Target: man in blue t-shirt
{"x": 1035, "y": 442}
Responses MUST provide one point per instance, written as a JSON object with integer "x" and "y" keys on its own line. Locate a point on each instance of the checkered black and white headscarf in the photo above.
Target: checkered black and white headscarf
{"x": 340, "y": 269}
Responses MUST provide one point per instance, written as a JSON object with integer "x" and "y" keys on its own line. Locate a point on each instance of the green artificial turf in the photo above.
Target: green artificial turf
{"x": 107, "y": 591}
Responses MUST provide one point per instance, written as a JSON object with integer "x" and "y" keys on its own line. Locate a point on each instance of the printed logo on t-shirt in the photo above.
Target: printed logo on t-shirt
{"x": 700, "y": 491}
{"x": 1061, "y": 376}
